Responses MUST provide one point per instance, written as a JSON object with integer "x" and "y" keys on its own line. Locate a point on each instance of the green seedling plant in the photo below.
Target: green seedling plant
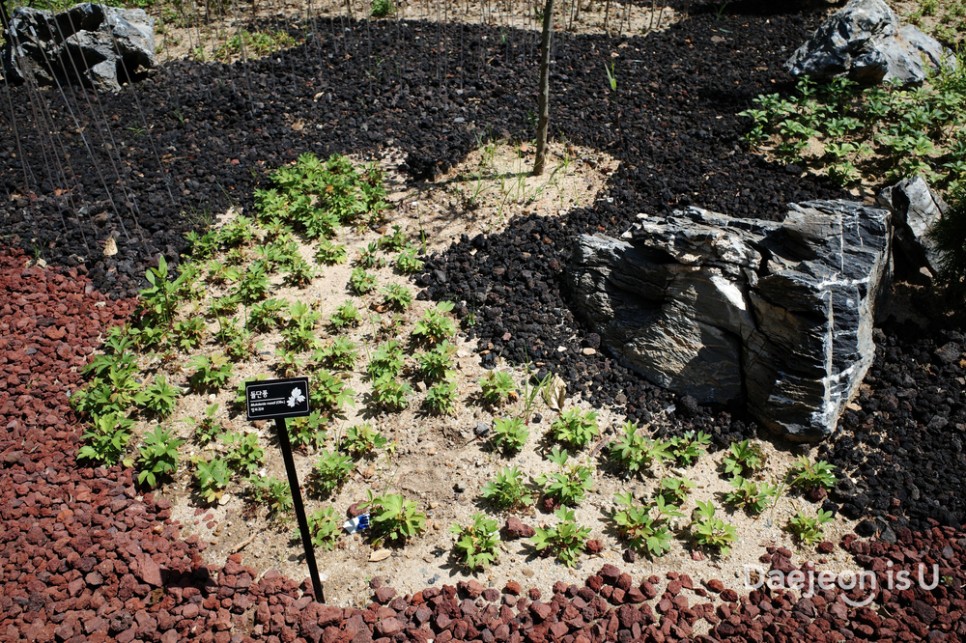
{"x": 245, "y": 455}
{"x": 105, "y": 439}
{"x": 329, "y": 393}
{"x": 808, "y": 529}
{"x": 282, "y": 252}
{"x": 328, "y": 253}
{"x": 159, "y": 398}
{"x": 225, "y": 306}
{"x": 611, "y": 76}
{"x": 645, "y": 527}
{"x": 252, "y": 286}
{"x": 209, "y": 427}
{"x": 158, "y": 302}
{"x": 114, "y": 361}
{"x": 751, "y": 496}
{"x": 688, "y": 448}
{"x": 345, "y": 316}
{"x": 674, "y": 491}
{"x": 361, "y": 282}
{"x": 308, "y": 432}
{"x": 709, "y": 531}
{"x": 341, "y": 354}
{"x": 271, "y": 493}
{"x": 397, "y": 297}
{"x": 574, "y": 429}
{"x": 634, "y": 452}
{"x": 531, "y": 393}
{"x": 441, "y": 398}
{"x": 387, "y": 360}
{"x": 211, "y": 478}
{"x": 808, "y": 476}
{"x": 157, "y": 456}
{"x": 564, "y": 540}
{"x": 115, "y": 393}
{"x": 324, "y": 528}
{"x": 203, "y": 246}
{"x": 381, "y": 8}
{"x": 237, "y": 341}
{"x": 393, "y": 519}
{"x": 744, "y": 459}
{"x": 497, "y": 388}
{"x": 299, "y": 332}
{"x": 390, "y": 393}
{"x": 329, "y": 473}
{"x": 190, "y": 287}
{"x": 369, "y": 257}
{"x": 394, "y": 241}
{"x": 436, "y": 364}
{"x": 507, "y": 490}
{"x": 235, "y": 258}
{"x": 476, "y": 544}
{"x": 211, "y": 372}
{"x": 568, "y": 486}
{"x": 188, "y": 333}
{"x": 237, "y": 233}
{"x": 435, "y": 326}
{"x": 266, "y": 315}
{"x": 288, "y": 363}
{"x": 117, "y": 355}
{"x": 362, "y": 441}
{"x": 408, "y": 261}
{"x": 299, "y": 273}
{"x": 509, "y": 434}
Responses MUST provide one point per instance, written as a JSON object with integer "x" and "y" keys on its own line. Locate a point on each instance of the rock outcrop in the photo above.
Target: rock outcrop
{"x": 89, "y": 44}
{"x": 725, "y": 309}
{"x": 865, "y": 42}
{"x": 915, "y": 209}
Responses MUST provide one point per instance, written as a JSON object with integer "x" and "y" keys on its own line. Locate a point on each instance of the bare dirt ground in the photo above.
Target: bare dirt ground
{"x": 191, "y": 31}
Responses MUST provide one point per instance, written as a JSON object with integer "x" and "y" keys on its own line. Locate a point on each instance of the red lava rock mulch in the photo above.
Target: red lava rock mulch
{"x": 84, "y": 558}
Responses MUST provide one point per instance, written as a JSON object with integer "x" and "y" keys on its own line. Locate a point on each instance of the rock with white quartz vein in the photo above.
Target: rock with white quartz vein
{"x": 778, "y": 315}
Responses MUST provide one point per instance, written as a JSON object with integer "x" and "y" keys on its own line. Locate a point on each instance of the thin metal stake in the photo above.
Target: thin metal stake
{"x": 293, "y": 483}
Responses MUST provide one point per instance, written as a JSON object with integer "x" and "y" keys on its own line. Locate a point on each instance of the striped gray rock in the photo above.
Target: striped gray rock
{"x": 865, "y": 42}
{"x": 915, "y": 209}
{"x": 89, "y": 44}
{"x": 778, "y": 315}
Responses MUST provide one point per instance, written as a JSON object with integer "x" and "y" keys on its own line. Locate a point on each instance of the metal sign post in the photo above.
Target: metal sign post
{"x": 280, "y": 399}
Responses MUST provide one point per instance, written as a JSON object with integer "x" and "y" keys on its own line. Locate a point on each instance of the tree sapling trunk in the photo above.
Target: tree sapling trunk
{"x": 543, "y": 102}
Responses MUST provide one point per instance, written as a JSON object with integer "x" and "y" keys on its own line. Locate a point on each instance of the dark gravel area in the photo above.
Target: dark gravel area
{"x": 83, "y": 558}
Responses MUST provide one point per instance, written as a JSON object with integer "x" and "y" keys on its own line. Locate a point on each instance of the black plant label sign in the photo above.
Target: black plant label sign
{"x": 273, "y": 399}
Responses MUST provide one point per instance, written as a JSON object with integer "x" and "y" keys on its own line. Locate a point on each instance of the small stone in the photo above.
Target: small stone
{"x": 516, "y": 528}
{"x": 384, "y": 594}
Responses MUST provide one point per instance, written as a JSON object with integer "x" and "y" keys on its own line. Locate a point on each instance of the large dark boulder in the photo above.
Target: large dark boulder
{"x": 89, "y": 44}
{"x": 725, "y": 309}
{"x": 865, "y": 42}
{"x": 916, "y": 210}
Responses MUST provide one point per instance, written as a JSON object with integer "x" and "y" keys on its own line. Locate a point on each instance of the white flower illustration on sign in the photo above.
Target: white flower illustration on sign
{"x": 295, "y": 397}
